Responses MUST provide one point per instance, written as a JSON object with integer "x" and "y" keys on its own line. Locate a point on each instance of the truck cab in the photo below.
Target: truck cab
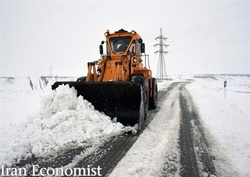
{"x": 123, "y": 58}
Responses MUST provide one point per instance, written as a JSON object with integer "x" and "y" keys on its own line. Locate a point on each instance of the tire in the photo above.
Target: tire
{"x": 154, "y": 98}
{"x": 142, "y": 112}
{"x": 141, "y": 80}
{"x": 81, "y": 79}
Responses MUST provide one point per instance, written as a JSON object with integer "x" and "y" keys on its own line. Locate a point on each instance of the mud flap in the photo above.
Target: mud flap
{"x": 116, "y": 99}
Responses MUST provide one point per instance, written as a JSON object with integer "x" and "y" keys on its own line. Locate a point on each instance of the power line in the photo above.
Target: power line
{"x": 211, "y": 35}
{"x": 211, "y": 26}
{"x": 209, "y": 44}
{"x": 220, "y": 9}
{"x": 219, "y": 32}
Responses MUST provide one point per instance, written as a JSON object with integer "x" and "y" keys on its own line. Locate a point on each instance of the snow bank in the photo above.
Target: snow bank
{"x": 63, "y": 121}
{"x": 226, "y": 117}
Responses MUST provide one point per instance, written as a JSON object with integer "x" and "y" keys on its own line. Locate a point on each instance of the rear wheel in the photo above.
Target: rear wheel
{"x": 154, "y": 98}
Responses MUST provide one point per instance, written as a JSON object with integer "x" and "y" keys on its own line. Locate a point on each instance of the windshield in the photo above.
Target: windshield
{"x": 120, "y": 44}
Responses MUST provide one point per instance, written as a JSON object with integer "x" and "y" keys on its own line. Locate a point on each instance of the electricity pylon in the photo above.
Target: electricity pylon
{"x": 161, "y": 69}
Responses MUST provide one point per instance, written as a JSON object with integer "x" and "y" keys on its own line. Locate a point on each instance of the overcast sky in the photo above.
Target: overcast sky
{"x": 205, "y": 36}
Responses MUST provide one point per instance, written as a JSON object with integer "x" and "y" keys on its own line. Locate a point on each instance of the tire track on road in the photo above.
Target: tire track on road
{"x": 195, "y": 158}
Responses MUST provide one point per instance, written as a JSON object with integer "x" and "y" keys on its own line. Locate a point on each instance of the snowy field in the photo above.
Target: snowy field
{"x": 37, "y": 121}
{"x": 226, "y": 116}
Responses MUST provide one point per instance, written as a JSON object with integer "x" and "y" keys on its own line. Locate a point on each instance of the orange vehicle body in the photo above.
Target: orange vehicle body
{"x": 120, "y": 66}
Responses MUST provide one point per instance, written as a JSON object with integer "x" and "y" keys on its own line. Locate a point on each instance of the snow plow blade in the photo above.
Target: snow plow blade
{"x": 116, "y": 99}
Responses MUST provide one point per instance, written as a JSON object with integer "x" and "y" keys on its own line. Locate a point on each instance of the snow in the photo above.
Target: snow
{"x": 63, "y": 121}
{"x": 226, "y": 117}
{"x": 44, "y": 122}
{"x": 157, "y": 143}
{"x": 22, "y": 95}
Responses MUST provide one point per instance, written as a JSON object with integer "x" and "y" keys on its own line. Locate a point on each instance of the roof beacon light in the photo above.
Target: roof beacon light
{"x": 133, "y": 32}
{"x": 106, "y": 33}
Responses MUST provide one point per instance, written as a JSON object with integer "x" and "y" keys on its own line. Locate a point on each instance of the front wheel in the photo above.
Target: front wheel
{"x": 141, "y": 80}
{"x": 154, "y": 98}
{"x": 142, "y": 111}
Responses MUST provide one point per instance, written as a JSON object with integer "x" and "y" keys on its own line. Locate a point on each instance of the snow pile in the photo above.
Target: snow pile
{"x": 226, "y": 117}
{"x": 63, "y": 121}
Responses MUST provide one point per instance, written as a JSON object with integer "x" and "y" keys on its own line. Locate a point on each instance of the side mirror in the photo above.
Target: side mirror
{"x": 142, "y": 47}
{"x": 101, "y": 49}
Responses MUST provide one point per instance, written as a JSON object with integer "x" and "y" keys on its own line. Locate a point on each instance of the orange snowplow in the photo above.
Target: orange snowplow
{"x": 119, "y": 84}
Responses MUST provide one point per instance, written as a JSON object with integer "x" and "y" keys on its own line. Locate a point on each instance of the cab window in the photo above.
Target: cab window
{"x": 119, "y": 44}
